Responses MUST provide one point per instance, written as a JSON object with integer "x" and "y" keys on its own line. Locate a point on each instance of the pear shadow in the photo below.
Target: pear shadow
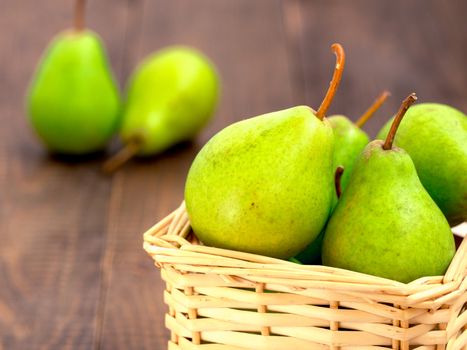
{"x": 178, "y": 151}
{"x": 76, "y": 158}
{"x": 40, "y": 157}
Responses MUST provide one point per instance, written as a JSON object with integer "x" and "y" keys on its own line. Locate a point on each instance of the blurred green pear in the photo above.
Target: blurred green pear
{"x": 171, "y": 95}
{"x": 73, "y": 101}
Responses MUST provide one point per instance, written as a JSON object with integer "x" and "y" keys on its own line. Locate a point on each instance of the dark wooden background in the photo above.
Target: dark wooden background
{"x": 73, "y": 274}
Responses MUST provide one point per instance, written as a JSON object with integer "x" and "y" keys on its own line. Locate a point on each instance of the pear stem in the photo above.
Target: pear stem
{"x": 372, "y": 109}
{"x": 409, "y": 100}
{"x": 80, "y": 6}
{"x": 122, "y": 156}
{"x": 336, "y": 79}
{"x": 337, "y": 180}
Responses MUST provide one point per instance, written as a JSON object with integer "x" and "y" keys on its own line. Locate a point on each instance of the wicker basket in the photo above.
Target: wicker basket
{"x": 226, "y": 300}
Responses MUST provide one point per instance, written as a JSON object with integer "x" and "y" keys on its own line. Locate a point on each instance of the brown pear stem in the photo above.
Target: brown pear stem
{"x": 337, "y": 180}
{"x": 80, "y": 6}
{"x": 372, "y": 109}
{"x": 336, "y": 79}
{"x": 409, "y": 100}
{"x": 122, "y": 156}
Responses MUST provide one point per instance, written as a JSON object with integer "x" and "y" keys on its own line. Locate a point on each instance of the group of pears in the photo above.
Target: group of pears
{"x": 75, "y": 106}
{"x": 294, "y": 184}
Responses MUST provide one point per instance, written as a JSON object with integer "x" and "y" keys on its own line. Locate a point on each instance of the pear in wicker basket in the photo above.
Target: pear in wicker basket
{"x": 264, "y": 185}
{"x": 435, "y": 137}
{"x": 350, "y": 139}
{"x": 386, "y": 224}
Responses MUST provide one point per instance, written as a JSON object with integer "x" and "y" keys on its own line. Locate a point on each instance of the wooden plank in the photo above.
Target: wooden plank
{"x": 246, "y": 39}
{"x": 53, "y": 213}
{"x": 402, "y": 46}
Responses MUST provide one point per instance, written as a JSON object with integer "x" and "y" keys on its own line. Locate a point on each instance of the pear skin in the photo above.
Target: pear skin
{"x": 435, "y": 136}
{"x": 171, "y": 95}
{"x": 263, "y": 185}
{"x": 386, "y": 224}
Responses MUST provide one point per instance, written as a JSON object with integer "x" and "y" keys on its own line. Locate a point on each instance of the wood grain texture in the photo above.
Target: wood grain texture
{"x": 53, "y": 211}
{"x": 73, "y": 274}
{"x": 402, "y": 46}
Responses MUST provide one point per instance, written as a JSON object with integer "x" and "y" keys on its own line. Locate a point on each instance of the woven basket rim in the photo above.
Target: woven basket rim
{"x": 171, "y": 243}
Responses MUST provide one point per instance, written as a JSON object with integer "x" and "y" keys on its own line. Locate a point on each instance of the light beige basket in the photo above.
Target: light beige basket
{"x": 226, "y": 300}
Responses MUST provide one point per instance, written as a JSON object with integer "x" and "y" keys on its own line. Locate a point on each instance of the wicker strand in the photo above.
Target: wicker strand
{"x": 159, "y": 227}
{"x": 192, "y": 315}
{"x": 458, "y": 264}
{"x": 457, "y": 316}
{"x": 442, "y": 326}
{"x": 334, "y": 325}
{"x": 262, "y": 309}
{"x": 173, "y": 335}
{"x": 404, "y": 324}
{"x": 179, "y": 213}
{"x": 395, "y": 342}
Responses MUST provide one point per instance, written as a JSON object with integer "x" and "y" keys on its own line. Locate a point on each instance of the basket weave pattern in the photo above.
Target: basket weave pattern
{"x": 226, "y": 300}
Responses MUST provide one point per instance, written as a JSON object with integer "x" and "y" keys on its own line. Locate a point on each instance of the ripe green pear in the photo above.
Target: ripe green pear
{"x": 73, "y": 101}
{"x": 386, "y": 224}
{"x": 435, "y": 136}
{"x": 171, "y": 96}
{"x": 263, "y": 185}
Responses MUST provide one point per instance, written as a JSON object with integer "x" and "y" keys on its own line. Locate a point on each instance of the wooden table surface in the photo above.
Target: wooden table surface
{"x": 73, "y": 274}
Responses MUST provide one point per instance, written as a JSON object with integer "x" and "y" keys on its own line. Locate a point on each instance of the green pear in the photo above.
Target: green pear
{"x": 171, "y": 95}
{"x": 264, "y": 185}
{"x": 350, "y": 139}
{"x": 435, "y": 136}
{"x": 386, "y": 224}
{"x": 73, "y": 100}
